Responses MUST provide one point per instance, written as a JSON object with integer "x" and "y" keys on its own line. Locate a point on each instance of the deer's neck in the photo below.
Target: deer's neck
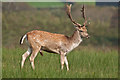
{"x": 76, "y": 38}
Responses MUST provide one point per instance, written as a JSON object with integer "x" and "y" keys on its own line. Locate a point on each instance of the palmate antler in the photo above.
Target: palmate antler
{"x": 83, "y": 14}
{"x": 68, "y": 10}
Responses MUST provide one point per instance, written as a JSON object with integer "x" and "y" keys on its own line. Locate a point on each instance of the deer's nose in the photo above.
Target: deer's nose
{"x": 87, "y": 36}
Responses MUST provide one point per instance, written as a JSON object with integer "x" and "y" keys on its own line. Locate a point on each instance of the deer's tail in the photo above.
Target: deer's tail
{"x": 22, "y": 38}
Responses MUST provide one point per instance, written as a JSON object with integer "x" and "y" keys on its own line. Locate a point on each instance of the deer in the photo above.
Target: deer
{"x": 38, "y": 41}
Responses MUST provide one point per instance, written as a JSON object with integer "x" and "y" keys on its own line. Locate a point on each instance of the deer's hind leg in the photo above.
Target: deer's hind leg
{"x": 24, "y": 56}
{"x": 35, "y": 51}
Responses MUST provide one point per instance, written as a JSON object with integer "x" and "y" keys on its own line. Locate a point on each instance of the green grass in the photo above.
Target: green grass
{"x": 83, "y": 63}
{"x": 55, "y": 4}
{"x": 46, "y": 4}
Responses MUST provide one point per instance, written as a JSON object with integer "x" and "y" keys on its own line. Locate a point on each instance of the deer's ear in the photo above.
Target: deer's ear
{"x": 77, "y": 28}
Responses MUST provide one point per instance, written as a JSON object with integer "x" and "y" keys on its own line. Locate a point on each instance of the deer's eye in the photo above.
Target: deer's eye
{"x": 81, "y": 31}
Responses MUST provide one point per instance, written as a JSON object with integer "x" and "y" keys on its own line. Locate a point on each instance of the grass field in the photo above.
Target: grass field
{"x": 54, "y": 4}
{"x": 46, "y": 4}
{"x": 83, "y": 63}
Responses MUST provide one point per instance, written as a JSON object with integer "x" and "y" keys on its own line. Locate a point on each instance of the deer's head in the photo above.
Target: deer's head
{"x": 81, "y": 28}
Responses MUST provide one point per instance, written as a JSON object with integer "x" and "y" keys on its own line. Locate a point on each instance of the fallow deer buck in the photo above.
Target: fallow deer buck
{"x": 55, "y": 43}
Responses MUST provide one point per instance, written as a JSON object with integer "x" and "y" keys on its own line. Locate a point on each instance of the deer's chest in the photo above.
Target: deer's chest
{"x": 73, "y": 45}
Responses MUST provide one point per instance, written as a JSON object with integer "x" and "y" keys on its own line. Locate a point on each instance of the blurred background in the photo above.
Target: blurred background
{"x": 20, "y": 18}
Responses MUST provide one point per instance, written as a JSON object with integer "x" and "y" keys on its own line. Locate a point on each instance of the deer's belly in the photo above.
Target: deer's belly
{"x": 47, "y": 49}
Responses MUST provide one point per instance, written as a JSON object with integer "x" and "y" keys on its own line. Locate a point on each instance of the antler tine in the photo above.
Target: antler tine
{"x": 83, "y": 14}
{"x": 68, "y": 11}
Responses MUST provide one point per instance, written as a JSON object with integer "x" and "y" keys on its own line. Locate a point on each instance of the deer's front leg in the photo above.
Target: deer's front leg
{"x": 66, "y": 62}
{"x": 62, "y": 60}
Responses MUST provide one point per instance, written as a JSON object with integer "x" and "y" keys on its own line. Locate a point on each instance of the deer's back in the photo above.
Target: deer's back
{"x": 47, "y": 39}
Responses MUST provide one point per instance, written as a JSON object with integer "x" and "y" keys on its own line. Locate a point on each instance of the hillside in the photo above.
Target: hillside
{"x": 17, "y": 21}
